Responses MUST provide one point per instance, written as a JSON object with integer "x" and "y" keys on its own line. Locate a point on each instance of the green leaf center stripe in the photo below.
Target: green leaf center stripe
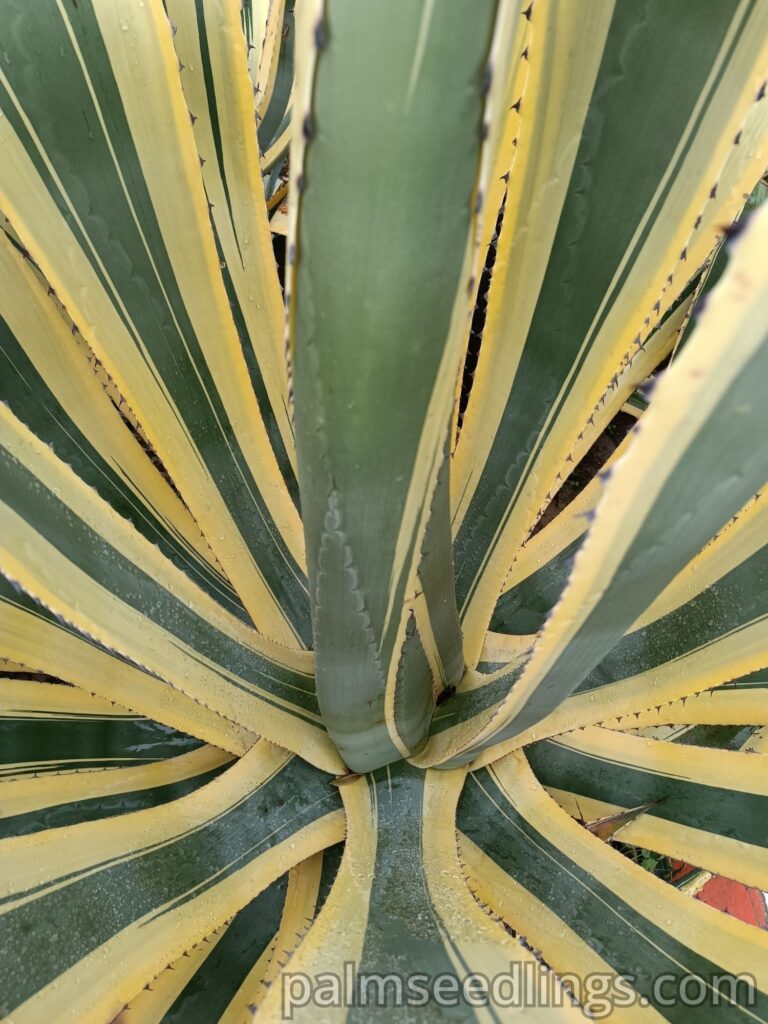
{"x": 413, "y": 690}
{"x": 735, "y": 602}
{"x": 278, "y": 113}
{"x": 626, "y": 940}
{"x": 103, "y": 187}
{"x": 103, "y": 806}
{"x": 212, "y": 987}
{"x": 399, "y": 893}
{"x": 523, "y": 608}
{"x": 85, "y": 912}
{"x": 210, "y": 91}
{"x": 689, "y": 509}
{"x": 257, "y": 380}
{"x": 577, "y": 293}
{"x": 34, "y": 403}
{"x": 466, "y": 704}
{"x": 442, "y": 635}
{"x": 85, "y": 742}
{"x": 254, "y": 370}
{"x": 107, "y": 566}
{"x": 407, "y": 922}
{"x": 219, "y": 96}
{"x": 724, "y": 812}
{"x": 378, "y": 279}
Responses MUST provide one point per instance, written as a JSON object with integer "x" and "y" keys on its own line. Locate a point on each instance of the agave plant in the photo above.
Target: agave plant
{"x": 331, "y": 663}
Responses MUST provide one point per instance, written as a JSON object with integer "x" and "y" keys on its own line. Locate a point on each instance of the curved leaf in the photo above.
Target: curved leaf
{"x": 143, "y": 888}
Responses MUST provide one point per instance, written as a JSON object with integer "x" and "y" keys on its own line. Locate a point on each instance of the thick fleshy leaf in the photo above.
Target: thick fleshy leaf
{"x": 399, "y": 908}
{"x": 377, "y": 320}
{"x": 700, "y": 455}
{"x": 68, "y": 757}
{"x": 592, "y": 912}
{"x": 52, "y": 728}
{"x": 72, "y": 553}
{"x": 718, "y": 261}
{"x": 225, "y": 977}
{"x": 48, "y": 380}
{"x": 101, "y": 181}
{"x": 435, "y": 616}
{"x": 709, "y": 626}
{"x": 209, "y": 41}
{"x": 210, "y": 981}
{"x": 710, "y": 807}
{"x": 642, "y": 126}
{"x": 139, "y": 890}
{"x": 264, "y": 72}
{"x": 542, "y": 564}
{"x": 39, "y": 641}
{"x": 540, "y": 570}
{"x": 570, "y": 169}
{"x": 275, "y": 116}
{"x": 739, "y": 702}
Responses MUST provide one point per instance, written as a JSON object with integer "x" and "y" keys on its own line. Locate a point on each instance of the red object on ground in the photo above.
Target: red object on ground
{"x": 741, "y": 901}
{"x": 735, "y": 899}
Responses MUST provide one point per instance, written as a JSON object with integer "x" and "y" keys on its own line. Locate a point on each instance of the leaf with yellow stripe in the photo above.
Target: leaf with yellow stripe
{"x": 371, "y": 405}
{"x": 542, "y": 565}
{"x": 708, "y": 805}
{"x": 209, "y": 41}
{"x": 113, "y": 210}
{"x": 68, "y": 757}
{"x": 49, "y": 382}
{"x": 628, "y": 942}
{"x": 398, "y": 908}
{"x": 738, "y": 702}
{"x": 614, "y": 202}
{"x": 706, "y": 628}
{"x": 141, "y": 889}
{"x": 41, "y": 642}
{"x": 93, "y": 570}
{"x": 700, "y": 455}
{"x": 226, "y": 977}
{"x": 570, "y": 168}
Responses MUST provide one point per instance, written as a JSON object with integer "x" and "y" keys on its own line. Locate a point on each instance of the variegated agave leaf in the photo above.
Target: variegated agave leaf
{"x": 383, "y": 556}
